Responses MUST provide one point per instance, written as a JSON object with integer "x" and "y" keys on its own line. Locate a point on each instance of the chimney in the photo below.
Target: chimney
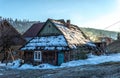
{"x": 68, "y": 23}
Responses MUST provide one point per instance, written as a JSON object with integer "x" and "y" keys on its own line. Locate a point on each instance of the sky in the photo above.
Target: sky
{"x": 99, "y": 14}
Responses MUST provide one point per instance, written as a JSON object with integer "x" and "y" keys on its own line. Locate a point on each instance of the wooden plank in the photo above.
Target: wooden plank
{"x": 10, "y": 51}
{"x": 56, "y": 57}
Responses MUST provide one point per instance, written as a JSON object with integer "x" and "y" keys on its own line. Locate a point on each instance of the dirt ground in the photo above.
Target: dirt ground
{"x": 107, "y": 70}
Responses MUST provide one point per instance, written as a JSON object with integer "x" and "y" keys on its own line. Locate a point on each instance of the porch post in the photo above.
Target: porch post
{"x": 56, "y": 57}
{"x": 69, "y": 55}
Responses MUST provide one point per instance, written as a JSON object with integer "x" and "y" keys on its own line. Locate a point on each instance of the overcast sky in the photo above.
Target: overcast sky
{"x": 85, "y": 13}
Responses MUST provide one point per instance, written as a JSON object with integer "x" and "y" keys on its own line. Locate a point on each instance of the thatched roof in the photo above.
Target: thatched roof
{"x": 10, "y": 34}
{"x": 73, "y": 34}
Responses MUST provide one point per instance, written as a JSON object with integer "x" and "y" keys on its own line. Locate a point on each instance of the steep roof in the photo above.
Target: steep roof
{"x": 7, "y": 31}
{"x": 72, "y": 36}
{"x": 33, "y": 30}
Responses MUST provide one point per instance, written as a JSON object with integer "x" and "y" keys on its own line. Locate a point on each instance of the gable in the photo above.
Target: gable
{"x": 49, "y": 29}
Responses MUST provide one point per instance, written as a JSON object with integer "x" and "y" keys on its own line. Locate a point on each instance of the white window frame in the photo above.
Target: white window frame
{"x": 38, "y": 56}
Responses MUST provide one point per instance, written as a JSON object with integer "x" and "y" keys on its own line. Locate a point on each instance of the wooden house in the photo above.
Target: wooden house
{"x": 9, "y": 37}
{"x": 103, "y": 42}
{"x": 107, "y": 40}
{"x": 57, "y": 42}
{"x": 114, "y": 47}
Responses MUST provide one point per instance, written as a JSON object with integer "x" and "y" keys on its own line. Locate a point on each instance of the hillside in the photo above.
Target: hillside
{"x": 23, "y": 25}
{"x": 20, "y": 25}
{"x": 94, "y": 33}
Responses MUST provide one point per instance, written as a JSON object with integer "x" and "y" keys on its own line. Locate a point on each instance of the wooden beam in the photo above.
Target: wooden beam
{"x": 10, "y": 51}
{"x": 56, "y": 57}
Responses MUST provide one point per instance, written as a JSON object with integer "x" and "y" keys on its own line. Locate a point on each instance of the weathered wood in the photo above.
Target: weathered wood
{"x": 28, "y": 57}
{"x": 49, "y": 29}
{"x": 56, "y": 57}
{"x": 10, "y": 52}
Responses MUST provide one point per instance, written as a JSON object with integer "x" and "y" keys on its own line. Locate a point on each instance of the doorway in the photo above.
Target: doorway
{"x": 60, "y": 58}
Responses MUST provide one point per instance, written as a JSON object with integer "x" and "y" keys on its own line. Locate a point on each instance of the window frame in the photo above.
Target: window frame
{"x": 38, "y": 56}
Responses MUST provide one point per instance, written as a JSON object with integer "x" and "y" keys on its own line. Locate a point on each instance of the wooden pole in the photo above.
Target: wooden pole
{"x": 55, "y": 57}
{"x": 10, "y": 51}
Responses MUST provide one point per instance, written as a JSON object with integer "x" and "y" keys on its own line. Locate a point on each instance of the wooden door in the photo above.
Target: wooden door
{"x": 60, "y": 58}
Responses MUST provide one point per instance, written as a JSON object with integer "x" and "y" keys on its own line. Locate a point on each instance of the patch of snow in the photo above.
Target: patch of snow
{"x": 57, "y": 22}
{"x": 91, "y": 44}
{"x": 1, "y": 74}
{"x": 49, "y": 48}
{"x": 46, "y": 41}
{"x": 46, "y": 66}
{"x": 61, "y": 26}
{"x": 74, "y": 47}
{"x": 93, "y": 60}
{"x": 2, "y": 69}
{"x": 30, "y": 48}
{"x": 41, "y": 66}
{"x": 26, "y": 66}
{"x": 4, "y": 64}
{"x": 16, "y": 63}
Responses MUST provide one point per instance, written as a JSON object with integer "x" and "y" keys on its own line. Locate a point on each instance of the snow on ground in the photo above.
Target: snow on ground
{"x": 46, "y": 66}
{"x": 91, "y": 60}
{"x": 26, "y": 66}
{"x": 41, "y": 66}
{"x": 1, "y": 74}
{"x": 3, "y": 64}
{"x": 16, "y": 63}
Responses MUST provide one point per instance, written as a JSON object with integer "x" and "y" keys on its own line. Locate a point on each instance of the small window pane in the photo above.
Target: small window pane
{"x": 37, "y": 56}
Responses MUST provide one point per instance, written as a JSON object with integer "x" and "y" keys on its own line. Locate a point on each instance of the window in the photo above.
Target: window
{"x": 38, "y": 56}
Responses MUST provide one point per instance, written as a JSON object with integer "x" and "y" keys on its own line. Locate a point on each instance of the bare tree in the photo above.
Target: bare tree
{"x": 6, "y": 42}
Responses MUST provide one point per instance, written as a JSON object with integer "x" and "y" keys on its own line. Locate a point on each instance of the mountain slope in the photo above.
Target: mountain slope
{"x": 94, "y": 33}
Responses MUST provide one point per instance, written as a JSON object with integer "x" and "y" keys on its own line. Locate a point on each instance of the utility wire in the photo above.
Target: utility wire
{"x": 112, "y": 25}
